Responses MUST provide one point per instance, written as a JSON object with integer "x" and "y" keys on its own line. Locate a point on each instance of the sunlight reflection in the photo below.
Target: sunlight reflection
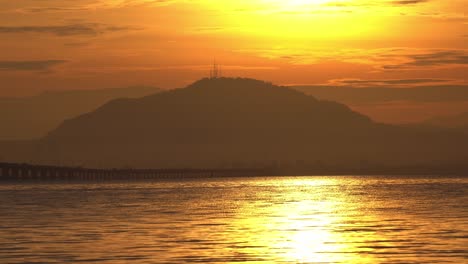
{"x": 341, "y": 219}
{"x": 311, "y": 238}
{"x": 305, "y": 225}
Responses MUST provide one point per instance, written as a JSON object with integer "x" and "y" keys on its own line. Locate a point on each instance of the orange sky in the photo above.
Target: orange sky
{"x": 52, "y": 44}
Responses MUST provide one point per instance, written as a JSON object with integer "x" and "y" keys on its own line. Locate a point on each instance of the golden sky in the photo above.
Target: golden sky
{"x": 70, "y": 44}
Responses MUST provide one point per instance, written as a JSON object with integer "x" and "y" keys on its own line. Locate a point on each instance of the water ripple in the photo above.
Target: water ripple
{"x": 347, "y": 219}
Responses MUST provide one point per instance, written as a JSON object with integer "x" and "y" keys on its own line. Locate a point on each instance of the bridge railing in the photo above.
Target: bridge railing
{"x": 19, "y": 172}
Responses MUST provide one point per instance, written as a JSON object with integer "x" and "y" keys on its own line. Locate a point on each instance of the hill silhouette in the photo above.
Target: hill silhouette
{"x": 35, "y": 116}
{"x": 376, "y": 94}
{"x": 453, "y": 121}
{"x": 392, "y": 103}
{"x": 238, "y": 123}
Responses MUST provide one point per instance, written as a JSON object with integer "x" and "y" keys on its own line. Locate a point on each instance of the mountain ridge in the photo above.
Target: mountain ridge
{"x": 214, "y": 122}
{"x": 33, "y": 116}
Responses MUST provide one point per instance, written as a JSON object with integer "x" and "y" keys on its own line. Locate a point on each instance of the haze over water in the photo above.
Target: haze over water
{"x": 347, "y": 219}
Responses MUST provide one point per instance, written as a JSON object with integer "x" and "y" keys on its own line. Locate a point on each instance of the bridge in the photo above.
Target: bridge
{"x": 28, "y": 172}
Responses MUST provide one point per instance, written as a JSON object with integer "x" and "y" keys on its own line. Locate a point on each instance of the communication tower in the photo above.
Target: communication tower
{"x": 215, "y": 71}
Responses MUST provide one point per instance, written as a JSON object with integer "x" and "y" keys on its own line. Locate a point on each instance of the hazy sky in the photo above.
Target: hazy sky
{"x": 69, "y": 44}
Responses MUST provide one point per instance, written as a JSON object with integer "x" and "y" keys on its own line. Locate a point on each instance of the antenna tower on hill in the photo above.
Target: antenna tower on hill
{"x": 215, "y": 72}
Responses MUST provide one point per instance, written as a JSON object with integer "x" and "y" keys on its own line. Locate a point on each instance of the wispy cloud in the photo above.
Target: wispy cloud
{"x": 89, "y": 29}
{"x": 409, "y": 2}
{"x": 431, "y": 59}
{"x": 51, "y": 9}
{"x": 190, "y": 68}
{"x": 243, "y": 6}
{"x": 29, "y": 65}
{"x": 77, "y": 5}
{"x": 387, "y": 59}
{"x": 390, "y": 82}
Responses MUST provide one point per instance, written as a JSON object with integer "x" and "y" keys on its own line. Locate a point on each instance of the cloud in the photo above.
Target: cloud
{"x": 51, "y": 9}
{"x": 88, "y": 29}
{"x": 389, "y": 82}
{"x": 375, "y": 4}
{"x": 208, "y": 29}
{"x": 77, "y": 6}
{"x": 409, "y": 2}
{"x": 271, "y": 6}
{"x": 386, "y": 59}
{"x": 31, "y": 65}
{"x": 431, "y": 59}
{"x": 201, "y": 68}
{"x": 124, "y": 3}
{"x": 77, "y": 44}
{"x": 393, "y": 59}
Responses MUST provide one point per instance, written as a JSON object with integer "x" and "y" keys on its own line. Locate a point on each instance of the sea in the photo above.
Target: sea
{"x": 309, "y": 219}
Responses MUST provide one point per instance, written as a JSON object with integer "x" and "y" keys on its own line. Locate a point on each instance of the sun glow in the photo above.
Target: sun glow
{"x": 299, "y": 19}
{"x": 303, "y": 2}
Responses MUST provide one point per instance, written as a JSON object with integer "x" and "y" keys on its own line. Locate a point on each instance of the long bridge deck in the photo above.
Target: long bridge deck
{"x": 25, "y": 172}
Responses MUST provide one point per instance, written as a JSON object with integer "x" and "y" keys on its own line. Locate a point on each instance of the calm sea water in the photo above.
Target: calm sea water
{"x": 345, "y": 219}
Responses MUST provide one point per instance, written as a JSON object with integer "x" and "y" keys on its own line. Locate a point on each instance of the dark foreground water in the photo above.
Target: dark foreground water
{"x": 344, "y": 219}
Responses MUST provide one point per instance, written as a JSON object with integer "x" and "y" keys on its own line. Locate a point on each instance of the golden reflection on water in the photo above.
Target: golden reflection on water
{"x": 273, "y": 220}
{"x": 301, "y": 226}
{"x": 310, "y": 238}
